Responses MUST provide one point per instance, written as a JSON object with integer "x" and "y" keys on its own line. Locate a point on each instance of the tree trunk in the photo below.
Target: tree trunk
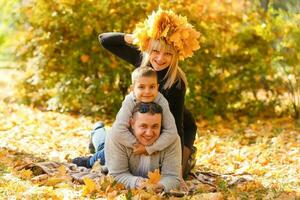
{"x": 265, "y": 4}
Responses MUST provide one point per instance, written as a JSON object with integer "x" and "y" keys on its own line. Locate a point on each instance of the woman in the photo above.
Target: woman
{"x": 163, "y": 39}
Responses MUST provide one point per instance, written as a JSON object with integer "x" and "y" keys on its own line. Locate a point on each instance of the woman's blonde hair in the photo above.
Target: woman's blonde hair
{"x": 174, "y": 73}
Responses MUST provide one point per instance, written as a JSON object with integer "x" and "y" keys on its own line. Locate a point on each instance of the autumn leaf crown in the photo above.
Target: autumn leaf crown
{"x": 173, "y": 29}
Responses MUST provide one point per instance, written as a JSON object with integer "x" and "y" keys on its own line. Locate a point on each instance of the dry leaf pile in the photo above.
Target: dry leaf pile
{"x": 264, "y": 152}
{"x": 268, "y": 150}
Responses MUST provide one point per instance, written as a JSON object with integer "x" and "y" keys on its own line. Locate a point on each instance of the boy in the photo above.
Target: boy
{"x": 144, "y": 89}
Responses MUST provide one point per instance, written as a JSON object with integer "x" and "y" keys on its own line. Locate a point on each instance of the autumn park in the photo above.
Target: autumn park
{"x": 220, "y": 120}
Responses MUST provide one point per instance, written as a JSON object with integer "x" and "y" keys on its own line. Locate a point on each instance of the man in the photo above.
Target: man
{"x": 132, "y": 169}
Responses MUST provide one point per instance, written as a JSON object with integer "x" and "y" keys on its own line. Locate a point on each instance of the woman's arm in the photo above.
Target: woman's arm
{"x": 116, "y": 44}
{"x": 175, "y": 97}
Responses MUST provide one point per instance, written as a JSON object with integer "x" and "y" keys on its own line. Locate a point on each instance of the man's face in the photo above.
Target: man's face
{"x": 146, "y": 127}
{"x": 145, "y": 89}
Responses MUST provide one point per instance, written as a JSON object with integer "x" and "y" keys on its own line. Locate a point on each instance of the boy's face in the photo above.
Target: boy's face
{"x": 145, "y": 89}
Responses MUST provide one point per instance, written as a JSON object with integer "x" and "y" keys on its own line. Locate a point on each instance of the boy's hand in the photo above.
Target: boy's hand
{"x": 139, "y": 149}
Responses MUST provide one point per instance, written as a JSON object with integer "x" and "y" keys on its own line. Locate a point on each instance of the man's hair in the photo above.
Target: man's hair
{"x": 145, "y": 71}
{"x": 152, "y": 108}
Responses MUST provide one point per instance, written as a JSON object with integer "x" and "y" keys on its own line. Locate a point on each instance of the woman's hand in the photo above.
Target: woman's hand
{"x": 128, "y": 38}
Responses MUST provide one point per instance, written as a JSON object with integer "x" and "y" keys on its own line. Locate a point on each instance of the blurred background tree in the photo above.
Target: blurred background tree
{"x": 248, "y": 63}
{"x": 8, "y": 18}
{"x": 287, "y": 5}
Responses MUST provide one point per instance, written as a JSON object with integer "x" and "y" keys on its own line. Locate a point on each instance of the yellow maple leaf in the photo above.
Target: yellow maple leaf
{"x": 97, "y": 167}
{"x": 84, "y": 58}
{"x": 89, "y": 186}
{"x": 52, "y": 181}
{"x": 210, "y": 196}
{"x": 62, "y": 170}
{"x": 2, "y": 154}
{"x": 154, "y": 177}
{"x": 26, "y": 174}
{"x": 112, "y": 195}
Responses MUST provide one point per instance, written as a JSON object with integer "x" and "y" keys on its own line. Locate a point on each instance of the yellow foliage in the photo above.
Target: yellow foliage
{"x": 209, "y": 196}
{"x": 26, "y": 174}
{"x": 97, "y": 167}
{"x": 89, "y": 187}
{"x": 52, "y": 181}
{"x": 154, "y": 177}
{"x": 84, "y": 58}
{"x": 2, "y": 154}
{"x": 62, "y": 170}
{"x": 270, "y": 151}
{"x": 174, "y": 29}
{"x": 249, "y": 186}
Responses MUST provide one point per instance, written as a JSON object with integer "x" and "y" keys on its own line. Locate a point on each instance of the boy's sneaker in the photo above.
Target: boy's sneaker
{"x": 91, "y": 145}
{"x": 82, "y": 161}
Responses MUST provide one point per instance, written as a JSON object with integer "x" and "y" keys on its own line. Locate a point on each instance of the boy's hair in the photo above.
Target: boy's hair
{"x": 151, "y": 107}
{"x": 145, "y": 71}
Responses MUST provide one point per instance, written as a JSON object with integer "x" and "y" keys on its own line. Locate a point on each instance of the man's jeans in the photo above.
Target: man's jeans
{"x": 98, "y": 139}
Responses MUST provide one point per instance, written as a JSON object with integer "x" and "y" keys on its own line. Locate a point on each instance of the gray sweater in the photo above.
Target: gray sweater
{"x": 123, "y": 165}
{"x": 120, "y": 128}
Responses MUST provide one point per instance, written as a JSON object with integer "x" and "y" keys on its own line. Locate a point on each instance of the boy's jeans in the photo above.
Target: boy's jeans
{"x": 98, "y": 139}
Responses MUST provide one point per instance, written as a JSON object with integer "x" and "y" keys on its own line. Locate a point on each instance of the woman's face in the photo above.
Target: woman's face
{"x": 160, "y": 59}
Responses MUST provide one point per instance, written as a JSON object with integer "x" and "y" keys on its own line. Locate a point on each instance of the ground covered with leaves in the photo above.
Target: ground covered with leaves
{"x": 268, "y": 150}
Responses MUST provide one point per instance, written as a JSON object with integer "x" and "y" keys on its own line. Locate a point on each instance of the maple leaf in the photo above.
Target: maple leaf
{"x": 84, "y": 58}
{"x": 52, "y": 181}
{"x": 97, "y": 167}
{"x": 154, "y": 177}
{"x": 2, "y": 154}
{"x": 26, "y": 174}
{"x": 89, "y": 186}
{"x": 62, "y": 170}
{"x": 40, "y": 179}
{"x": 210, "y": 196}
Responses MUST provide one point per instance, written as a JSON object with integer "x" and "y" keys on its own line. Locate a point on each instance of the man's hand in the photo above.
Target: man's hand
{"x": 141, "y": 183}
{"x": 139, "y": 149}
{"x": 158, "y": 188}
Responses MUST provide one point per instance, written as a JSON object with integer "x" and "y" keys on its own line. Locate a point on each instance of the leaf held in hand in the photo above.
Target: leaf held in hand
{"x": 154, "y": 177}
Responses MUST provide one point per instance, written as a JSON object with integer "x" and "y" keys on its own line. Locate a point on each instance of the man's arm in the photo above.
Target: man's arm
{"x": 171, "y": 166}
{"x": 169, "y": 131}
{"x": 117, "y": 162}
{"x": 120, "y": 130}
